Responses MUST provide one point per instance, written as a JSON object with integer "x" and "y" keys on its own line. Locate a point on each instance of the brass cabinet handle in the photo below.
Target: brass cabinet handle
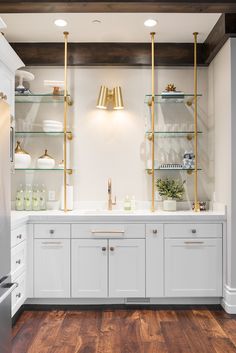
{"x": 154, "y": 231}
{"x": 193, "y": 242}
{"x": 104, "y": 248}
{"x": 194, "y": 231}
{"x": 19, "y": 236}
{"x": 107, "y": 231}
{"x": 112, "y": 248}
{"x": 52, "y": 231}
{"x": 18, "y": 262}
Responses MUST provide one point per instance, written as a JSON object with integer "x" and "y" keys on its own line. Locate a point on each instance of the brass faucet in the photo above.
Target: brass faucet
{"x": 110, "y": 202}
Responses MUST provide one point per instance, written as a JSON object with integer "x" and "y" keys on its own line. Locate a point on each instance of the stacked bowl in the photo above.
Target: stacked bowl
{"x": 52, "y": 126}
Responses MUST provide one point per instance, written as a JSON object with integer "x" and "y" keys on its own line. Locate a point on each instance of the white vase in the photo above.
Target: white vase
{"x": 169, "y": 205}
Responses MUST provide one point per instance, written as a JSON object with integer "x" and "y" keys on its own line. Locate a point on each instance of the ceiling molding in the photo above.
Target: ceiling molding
{"x": 108, "y": 54}
{"x": 59, "y": 6}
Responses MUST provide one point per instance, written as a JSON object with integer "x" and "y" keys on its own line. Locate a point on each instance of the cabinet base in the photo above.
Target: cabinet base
{"x": 229, "y": 300}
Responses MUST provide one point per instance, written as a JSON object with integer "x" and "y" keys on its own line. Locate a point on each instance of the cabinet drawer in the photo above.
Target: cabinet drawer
{"x": 18, "y": 235}
{"x": 19, "y": 294}
{"x": 94, "y": 230}
{"x": 52, "y": 231}
{"x": 18, "y": 259}
{"x": 191, "y": 230}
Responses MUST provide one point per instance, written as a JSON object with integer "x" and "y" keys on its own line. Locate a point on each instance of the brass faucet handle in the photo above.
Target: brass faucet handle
{"x": 114, "y": 203}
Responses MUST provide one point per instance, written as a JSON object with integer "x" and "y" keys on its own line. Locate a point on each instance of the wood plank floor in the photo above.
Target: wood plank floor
{"x": 181, "y": 330}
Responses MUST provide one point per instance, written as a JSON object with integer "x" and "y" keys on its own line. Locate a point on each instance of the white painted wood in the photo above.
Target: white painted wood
{"x": 89, "y": 268}
{"x": 18, "y": 235}
{"x": 106, "y": 230}
{"x": 126, "y": 268}
{"x": 192, "y": 230}
{"x": 154, "y": 260}
{"x": 8, "y": 55}
{"x": 18, "y": 296}
{"x": 52, "y": 231}
{"x": 18, "y": 260}
{"x": 52, "y": 268}
{"x": 193, "y": 267}
{"x": 30, "y": 261}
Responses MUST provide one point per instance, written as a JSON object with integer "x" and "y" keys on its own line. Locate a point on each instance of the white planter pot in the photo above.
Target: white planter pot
{"x": 169, "y": 205}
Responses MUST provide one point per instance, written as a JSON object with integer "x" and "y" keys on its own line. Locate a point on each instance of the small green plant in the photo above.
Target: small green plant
{"x": 170, "y": 188}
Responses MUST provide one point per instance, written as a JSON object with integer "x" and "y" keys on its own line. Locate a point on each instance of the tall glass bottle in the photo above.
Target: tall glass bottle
{"x": 28, "y": 198}
{"x": 20, "y": 198}
{"x": 36, "y": 198}
{"x": 43, "y": 200}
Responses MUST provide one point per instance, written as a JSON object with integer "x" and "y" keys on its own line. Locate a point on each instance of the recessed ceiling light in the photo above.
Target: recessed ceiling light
{"x": 96, "y": 21}
{"x": 60, "y": 23}
{"x": 150, "y": 23}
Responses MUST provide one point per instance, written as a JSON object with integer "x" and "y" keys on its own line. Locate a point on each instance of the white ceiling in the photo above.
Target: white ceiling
{"x": 114, "y": 27}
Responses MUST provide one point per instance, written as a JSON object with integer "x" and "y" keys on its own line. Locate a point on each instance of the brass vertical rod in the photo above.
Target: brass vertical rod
{"x": 65, "y": 121}
{"x": 196, "y": 203}
{"x": 153, "y": 121}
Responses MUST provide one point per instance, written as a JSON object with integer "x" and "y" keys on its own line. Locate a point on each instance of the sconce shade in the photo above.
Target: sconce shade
{"x": 118, "y": 100}
{"x": 102, "y": 98}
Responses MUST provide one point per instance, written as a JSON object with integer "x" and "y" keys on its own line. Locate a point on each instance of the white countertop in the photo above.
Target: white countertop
{"x": 21, "y": 217}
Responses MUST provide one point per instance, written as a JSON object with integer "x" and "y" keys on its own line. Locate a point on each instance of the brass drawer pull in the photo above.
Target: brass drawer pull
{"x": 193, "y": 242}
{"x": 194, "y": 231}
{"x": 154, "y": 231}
{"x": 51, "y": 231}
{"x": 104, "y": 248}
{"x": 112, "y": 248}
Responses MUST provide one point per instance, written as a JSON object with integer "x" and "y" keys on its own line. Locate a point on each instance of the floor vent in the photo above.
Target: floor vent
{"x": 137, "y": 301}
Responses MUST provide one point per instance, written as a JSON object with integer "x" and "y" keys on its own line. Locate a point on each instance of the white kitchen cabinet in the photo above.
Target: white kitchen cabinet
{"x": 52, "y": 268}
{"x": 193, "y": 267}
{"x": 19, "y": 294}
{"x": 89, "y": 268}
{"x": 154, "y": 261}
{"x": 126, "y": 268}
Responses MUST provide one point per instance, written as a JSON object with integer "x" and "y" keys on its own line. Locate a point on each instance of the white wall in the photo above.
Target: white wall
{"x": 112, "y": 144}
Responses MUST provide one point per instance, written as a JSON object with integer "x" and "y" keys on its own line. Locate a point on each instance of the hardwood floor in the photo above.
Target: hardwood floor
{"x": 181, "y": 330}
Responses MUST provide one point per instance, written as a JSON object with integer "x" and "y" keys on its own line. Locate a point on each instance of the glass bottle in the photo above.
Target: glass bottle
{"x": 36, "y": 198}
{"x": 28, "y": 198}
{"x": 20, "y": 198}
{"x": 43, "y": 201}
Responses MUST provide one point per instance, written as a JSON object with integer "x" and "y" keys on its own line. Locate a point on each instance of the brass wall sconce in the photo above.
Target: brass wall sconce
{"x": 110, "y": 97}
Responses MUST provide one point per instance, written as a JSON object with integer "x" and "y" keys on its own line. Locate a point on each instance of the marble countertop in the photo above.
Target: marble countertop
{"x": 21, "y": 217}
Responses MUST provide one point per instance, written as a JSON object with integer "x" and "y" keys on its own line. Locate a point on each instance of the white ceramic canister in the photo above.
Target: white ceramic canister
{"x": 45, "y": 161}
{"x": 169, "y": 205}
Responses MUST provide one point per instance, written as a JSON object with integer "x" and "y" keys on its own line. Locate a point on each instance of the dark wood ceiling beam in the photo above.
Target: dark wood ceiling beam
{"x": 187, "y": 6}
{"x": 224, "y": 29}
{"x": 107, "y": 54}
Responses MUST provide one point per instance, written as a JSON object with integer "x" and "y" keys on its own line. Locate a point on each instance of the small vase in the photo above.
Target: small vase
{"x": 169, "y": 205}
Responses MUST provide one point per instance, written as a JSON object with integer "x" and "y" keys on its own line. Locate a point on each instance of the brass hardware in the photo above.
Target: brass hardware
{"x": 150, "y": 103}
{"x": 107, "y": 231}
{"x": 153, "y": 121}
{"x": 19, "y": 236}
{"x": 189, "y": 137}
{"x": 18, "y": 262}
{"x": 150, "y": 136}
{"x": 45, "y": 155}
{"x": 69, "y": 171}
{"x": 194, "y": 231}
{"x": 189, "y": 103}
{"x": 69, "y": 136}
{"x": 193, "y": 242}
{"x": 52, "y": 231}
{"x": 110, "y": 202}
{"x": 189, "y": 172}
{"x": 19, "y": 149}
{"x": 110, "y": 96}
{"x": 112, "y": 248}
{"x": 104, "y": 248}
{"x": 196, "y": 207}
{"x": 149, "y": 171}
{"x": 154, "y": 231}
{"x": 170, "y": 88}
{"x": 3, "y": 96}
{"x": 65, "y": 118}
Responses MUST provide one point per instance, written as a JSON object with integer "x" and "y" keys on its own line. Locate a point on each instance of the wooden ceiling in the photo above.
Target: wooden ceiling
{"x": 36, "y": 6}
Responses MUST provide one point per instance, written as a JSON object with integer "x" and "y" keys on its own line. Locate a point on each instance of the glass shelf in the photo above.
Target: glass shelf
{"x": 41, "y": 98}
{"x": 69, "y": 171}
{"x": 173, "y": 133}
{"x": 181, "y": 98}
{"x": 174, "y": 169}
{"x": 40, "y": 133}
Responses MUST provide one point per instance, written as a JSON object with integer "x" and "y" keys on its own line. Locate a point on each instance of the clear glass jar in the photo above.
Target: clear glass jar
{"x": 36, "y": 198}
{"x": 20, "y": 198}
{"x": 28, "y": 198}
{"x": 43, "y": 198}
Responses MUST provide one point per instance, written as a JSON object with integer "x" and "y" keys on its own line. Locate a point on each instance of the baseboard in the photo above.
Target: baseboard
{"x": 16, "y": 316}
{"x": 229, "y": 300}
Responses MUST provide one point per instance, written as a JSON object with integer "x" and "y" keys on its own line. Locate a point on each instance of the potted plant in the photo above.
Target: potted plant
{"x": 170, "y": 190}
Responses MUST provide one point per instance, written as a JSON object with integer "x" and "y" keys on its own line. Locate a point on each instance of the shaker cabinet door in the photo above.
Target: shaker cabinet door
{"x": 193, "y": 268}
{"x": 127, "y": 268}
{"x": 89, "y": 268}
{"x": 52, "y": 268}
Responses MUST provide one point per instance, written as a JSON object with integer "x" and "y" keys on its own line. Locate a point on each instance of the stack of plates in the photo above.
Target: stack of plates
{"x": 52, "y": 126}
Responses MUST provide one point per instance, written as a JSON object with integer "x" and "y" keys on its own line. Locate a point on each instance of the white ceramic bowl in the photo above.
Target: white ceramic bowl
{"x": 22, "y": 161}
{"x": 52, "y": 128}
{"x": 52, "y": 122}
{"x": 45, "y": 163}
